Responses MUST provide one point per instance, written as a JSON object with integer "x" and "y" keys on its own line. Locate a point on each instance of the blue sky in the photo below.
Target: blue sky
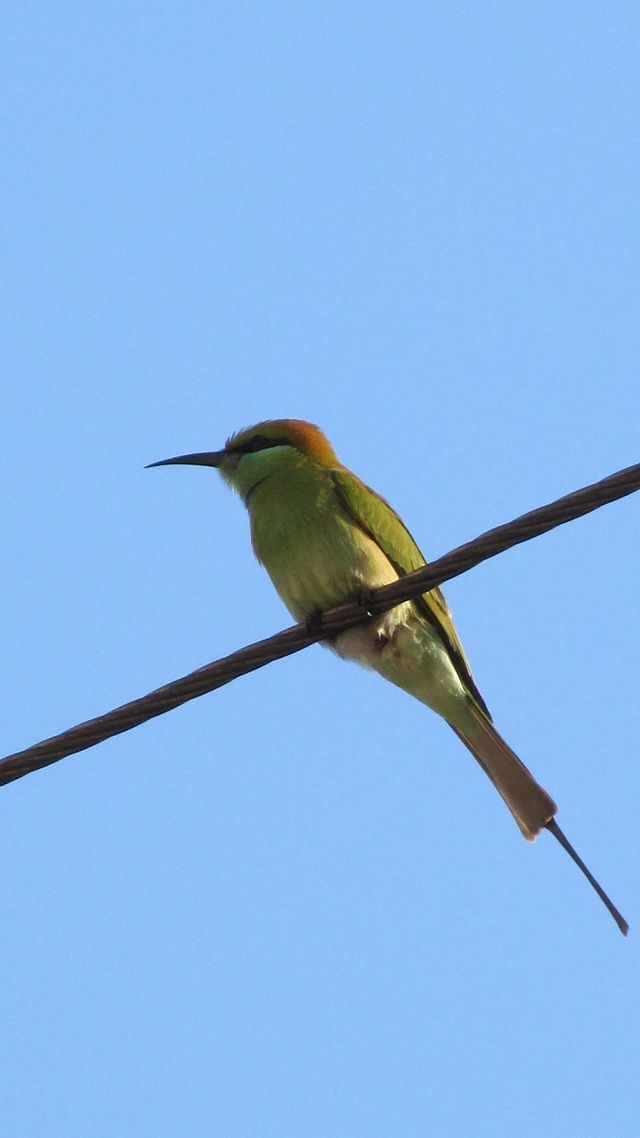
{"x": 295, "y": 906}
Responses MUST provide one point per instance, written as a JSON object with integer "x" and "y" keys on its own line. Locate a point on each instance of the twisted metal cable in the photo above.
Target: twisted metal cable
{"x": 328, "y": 624}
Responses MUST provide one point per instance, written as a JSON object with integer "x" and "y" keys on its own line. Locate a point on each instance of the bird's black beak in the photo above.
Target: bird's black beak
{"x": 210, "y": 458}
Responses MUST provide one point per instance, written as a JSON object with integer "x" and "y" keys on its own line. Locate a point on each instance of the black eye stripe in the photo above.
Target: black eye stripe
{"x": 258, "y": 442}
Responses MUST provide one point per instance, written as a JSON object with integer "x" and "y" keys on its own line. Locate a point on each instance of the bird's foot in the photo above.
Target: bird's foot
{"x": 313, "y": 622}
{"x": 365, "y": 600}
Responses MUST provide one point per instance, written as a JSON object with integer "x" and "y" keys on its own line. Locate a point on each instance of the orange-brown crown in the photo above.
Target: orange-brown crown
{"x": 305, "y": 437}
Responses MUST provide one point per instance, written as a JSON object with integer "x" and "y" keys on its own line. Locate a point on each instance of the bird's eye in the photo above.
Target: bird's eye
{"x": 258, "y": 442}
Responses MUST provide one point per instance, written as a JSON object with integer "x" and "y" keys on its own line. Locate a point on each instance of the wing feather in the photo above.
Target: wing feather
{"x": 384, "y": 526}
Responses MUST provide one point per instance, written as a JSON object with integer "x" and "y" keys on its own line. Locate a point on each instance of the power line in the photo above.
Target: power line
{"x": 328, "y": 624}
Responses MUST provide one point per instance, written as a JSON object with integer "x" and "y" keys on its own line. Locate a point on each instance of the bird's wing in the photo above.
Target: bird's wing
{"x": 388, "y": 530}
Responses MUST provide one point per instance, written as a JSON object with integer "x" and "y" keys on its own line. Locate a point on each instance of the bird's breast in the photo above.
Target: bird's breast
{"x": 315, "y": 554}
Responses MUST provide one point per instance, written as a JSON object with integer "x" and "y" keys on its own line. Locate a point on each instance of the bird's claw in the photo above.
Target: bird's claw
{"x": 313, "y": 622}
{"x": 365, "y": 600}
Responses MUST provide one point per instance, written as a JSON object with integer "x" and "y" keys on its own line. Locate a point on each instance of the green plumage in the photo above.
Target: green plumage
{"x": 322, "y": 535}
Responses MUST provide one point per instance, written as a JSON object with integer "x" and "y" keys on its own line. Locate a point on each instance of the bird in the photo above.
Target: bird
{"x": 326, "y": 538}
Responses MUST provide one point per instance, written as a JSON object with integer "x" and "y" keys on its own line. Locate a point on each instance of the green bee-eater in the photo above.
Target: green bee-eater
{"x": 324, "y": 538}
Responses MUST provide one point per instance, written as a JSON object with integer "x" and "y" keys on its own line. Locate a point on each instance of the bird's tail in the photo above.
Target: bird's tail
{"x": 530, "y": 805}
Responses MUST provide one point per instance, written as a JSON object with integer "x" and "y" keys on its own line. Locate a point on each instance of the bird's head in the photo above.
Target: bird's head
{"x": 255, "y": 452}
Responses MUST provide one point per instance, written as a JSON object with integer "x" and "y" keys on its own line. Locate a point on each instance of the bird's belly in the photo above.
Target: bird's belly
{"x": 403, "y": 648}
{"x": 331, "y": 568}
